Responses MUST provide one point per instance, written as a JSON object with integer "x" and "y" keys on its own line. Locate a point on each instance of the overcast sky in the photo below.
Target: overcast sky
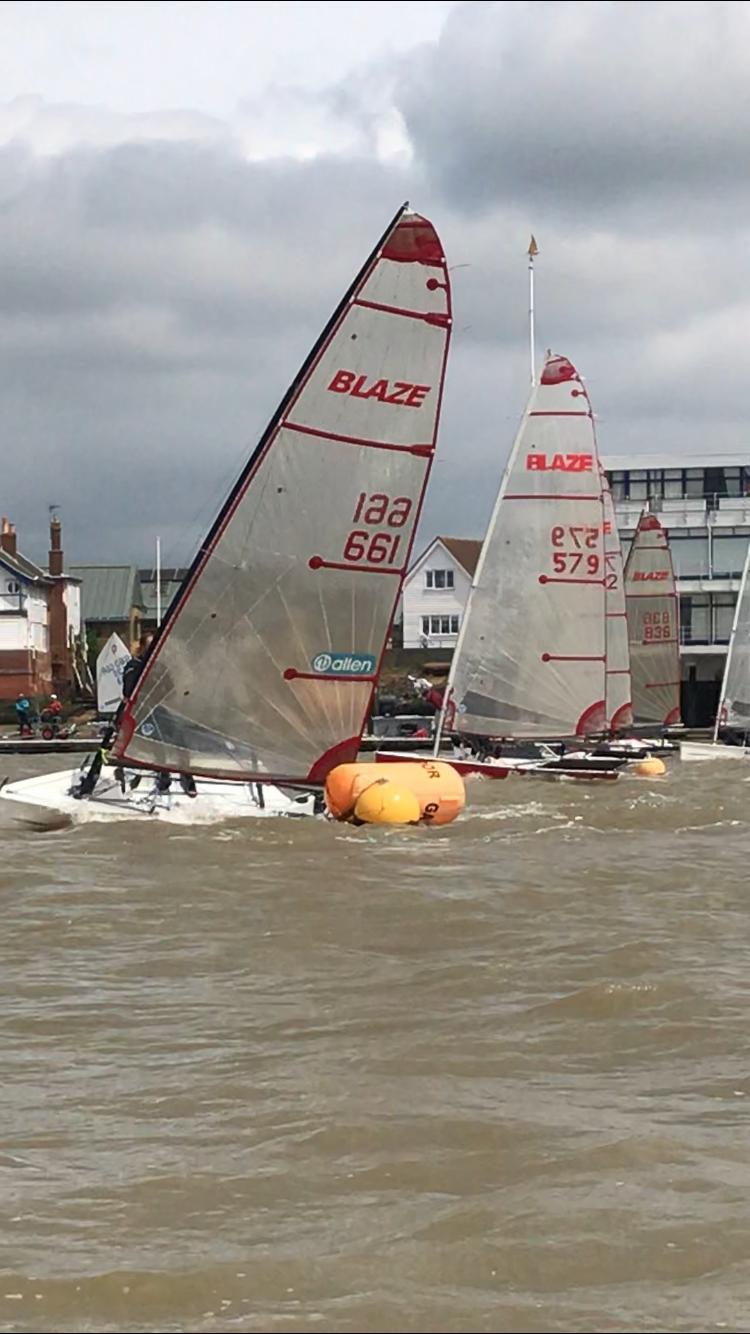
{"x": 187, "y": 188}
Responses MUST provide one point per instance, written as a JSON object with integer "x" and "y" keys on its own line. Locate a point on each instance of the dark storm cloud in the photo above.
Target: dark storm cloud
{"x": 155, "y": 301}
{"x": 585, "y": 108}
{"x": 157, "y": 295}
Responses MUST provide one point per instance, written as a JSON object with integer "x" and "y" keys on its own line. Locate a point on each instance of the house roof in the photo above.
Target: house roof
{"x": 25, "y": 569}
{"x": 465, "y": 550}
{"x": 171, "y": 579}
{"x": 108, "y": 591}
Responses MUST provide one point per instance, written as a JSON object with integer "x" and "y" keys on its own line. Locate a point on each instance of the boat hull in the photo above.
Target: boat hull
{"x": 46, "y": 802}
{"x": 584, "y": 768}
{"x": 710, "y": 750}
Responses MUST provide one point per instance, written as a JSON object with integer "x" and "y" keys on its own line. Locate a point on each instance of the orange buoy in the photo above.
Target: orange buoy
{"x": 651, "y": 767}
{"x": 384, "y": 802}
{"x": 438, "y": 788}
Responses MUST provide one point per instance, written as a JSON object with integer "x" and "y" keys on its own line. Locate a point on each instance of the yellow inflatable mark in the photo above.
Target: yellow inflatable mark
{"x": 427, "y": 791}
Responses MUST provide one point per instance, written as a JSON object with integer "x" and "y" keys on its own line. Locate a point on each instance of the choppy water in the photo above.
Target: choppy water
{"x": 294, "y": 1076}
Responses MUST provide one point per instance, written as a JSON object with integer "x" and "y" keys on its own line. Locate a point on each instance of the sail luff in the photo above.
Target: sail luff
{"x": 619, "y": 710}
{"x": 447, "y": 711}
{"x": 731, "y": 675}
{"x": 294, "y": 388}
{"x": 341, "y": 471}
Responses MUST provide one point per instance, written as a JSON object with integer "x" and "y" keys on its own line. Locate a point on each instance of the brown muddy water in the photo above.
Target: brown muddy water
{"x": 294, "y": 1076}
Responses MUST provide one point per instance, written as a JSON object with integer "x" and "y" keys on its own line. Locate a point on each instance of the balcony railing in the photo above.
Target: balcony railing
{"x": 700, "y": 635}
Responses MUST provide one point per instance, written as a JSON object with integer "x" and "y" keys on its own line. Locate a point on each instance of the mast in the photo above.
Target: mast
{"x": 533, "y": 250}
{"x": 728, "y": 662}
{"x": 158, "y": 582}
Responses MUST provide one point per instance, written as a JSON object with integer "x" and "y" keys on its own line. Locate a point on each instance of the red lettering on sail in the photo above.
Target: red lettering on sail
{"x": 559, "y": 463}
{"x": 650, "y": 574}
{"x": 399, "y": 392}
{"x": 342, "y": 382}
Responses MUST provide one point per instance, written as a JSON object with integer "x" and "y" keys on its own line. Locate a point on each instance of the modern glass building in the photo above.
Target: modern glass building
{"x": 703, "y": 501}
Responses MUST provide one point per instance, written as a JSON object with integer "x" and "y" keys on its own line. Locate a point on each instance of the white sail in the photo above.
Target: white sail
{"x": 110, "y": 665}
{"x": 653, "y": 625}
{"x": 619, "y": 711}
{"x": 734, "y": 705}
{"x": 531, "y": 654}
{"x": 267, "y": 660}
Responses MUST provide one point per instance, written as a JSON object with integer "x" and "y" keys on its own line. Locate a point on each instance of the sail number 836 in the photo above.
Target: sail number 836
{"x": 572, "y": 549}
{"x": 657, "y": 627}
{"x": 381, "y": 513}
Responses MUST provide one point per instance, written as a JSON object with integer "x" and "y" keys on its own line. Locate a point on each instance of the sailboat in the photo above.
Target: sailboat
{"x": 653, "y": 619}
{"x": 530, "y": 661}
{"x": 733, "y": 713}
{"x": 261, "y": 676}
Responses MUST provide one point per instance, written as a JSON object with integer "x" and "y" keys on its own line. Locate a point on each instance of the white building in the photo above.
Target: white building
{"x": 435, "y": 592}
{"x": 40, "y": 619}
{"x": 703, "y": 501}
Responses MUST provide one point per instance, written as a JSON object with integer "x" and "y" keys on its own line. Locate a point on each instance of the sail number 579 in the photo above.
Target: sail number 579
{"x": 574, "y": 549}
{"x": 374, "y": 541}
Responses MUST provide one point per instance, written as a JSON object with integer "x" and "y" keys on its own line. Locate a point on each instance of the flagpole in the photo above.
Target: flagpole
{"x": 533, "y": 250}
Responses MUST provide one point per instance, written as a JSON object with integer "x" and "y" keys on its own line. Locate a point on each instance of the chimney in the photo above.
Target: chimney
{"x": 55, "y": 547}
{"x": 7, "y": 537}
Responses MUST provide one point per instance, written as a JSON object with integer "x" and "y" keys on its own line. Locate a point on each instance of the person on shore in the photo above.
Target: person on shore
{"x": 23, "y": 713}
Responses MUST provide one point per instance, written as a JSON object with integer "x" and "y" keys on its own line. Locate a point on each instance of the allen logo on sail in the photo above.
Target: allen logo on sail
{"x": 401, "y": 392}
{"x": 559, "y": 463}
{"x": 344, "y": 664}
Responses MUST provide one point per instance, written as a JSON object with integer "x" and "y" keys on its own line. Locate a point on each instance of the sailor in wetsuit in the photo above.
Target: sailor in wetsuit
{"x": 130, "y": 678}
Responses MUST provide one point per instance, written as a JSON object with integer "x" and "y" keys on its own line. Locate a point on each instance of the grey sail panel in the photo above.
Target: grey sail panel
{"x": 530, "y": 658}
{"x": 653, "y": 625}
{"x": 269, "y": 657}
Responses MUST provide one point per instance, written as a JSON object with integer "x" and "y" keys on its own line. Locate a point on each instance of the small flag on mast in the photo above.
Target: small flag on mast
{"x": 533, "y": 247}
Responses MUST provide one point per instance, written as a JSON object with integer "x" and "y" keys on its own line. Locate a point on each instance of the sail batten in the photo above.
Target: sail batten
{"x": 530, "y": 658}
{"x": 653, "y": 625}
{"x": 268, "y": 658}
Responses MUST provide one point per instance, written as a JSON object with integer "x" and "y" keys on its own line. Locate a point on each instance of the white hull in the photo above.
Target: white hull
{"x": 46, "y": 801}
{"x": 711, "y": 750}
{"x": 583, "y": 767}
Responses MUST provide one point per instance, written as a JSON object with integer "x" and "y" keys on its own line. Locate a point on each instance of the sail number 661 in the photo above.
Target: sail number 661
{"x": 377, "y": 510}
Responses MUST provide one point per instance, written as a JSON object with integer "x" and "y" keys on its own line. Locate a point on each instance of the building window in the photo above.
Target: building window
{"x": 425, "y": 625}
{"x": 690, "y": 556}
{"x": 732, "y": 483}
{"x": 673, "y": 484}
{"x": 439, "y": 578}
{"x": 655, "y": 484}
{"x": 618, "y": 486}
{"x": 723, "y": 607}
{"x": 695, "y": 619}
{"x": 638, "y": 484}
{"x": 694, "y": 483}
{"x": 729, "y": 553}
{"x": 454, "y": 625}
